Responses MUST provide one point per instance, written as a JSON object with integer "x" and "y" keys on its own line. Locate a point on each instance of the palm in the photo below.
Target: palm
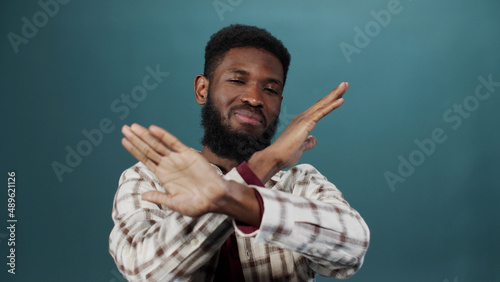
{"x": 295, "y": 139}
{"x": 292, "y": 139}
{"x": 191, "y": 183}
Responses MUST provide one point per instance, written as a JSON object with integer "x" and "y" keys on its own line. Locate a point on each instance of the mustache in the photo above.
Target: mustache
{"x": 249, "y": 108}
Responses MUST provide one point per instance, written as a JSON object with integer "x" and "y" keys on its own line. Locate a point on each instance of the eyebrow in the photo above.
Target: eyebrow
{"x": 244, "y": 72}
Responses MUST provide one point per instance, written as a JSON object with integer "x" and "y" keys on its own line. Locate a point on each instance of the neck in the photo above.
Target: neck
{"x": 224, "y": 164}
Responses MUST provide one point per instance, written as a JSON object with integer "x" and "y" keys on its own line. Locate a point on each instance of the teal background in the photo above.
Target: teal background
{"x": 440, "y": 224}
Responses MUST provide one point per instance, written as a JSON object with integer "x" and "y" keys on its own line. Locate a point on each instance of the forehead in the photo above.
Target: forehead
{"x": 252, "y": 60}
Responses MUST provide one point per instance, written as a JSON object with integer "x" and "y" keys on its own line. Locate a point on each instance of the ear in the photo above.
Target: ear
{"x": 201, "y": 85}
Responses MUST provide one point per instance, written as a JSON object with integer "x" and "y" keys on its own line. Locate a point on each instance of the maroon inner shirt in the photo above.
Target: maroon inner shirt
{"x": 229, "y": 266}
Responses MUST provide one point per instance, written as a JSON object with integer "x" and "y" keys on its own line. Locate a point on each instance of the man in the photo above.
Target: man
{"x": 230, "y": 213}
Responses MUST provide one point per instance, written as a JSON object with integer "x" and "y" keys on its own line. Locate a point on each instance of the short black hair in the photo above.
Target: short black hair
{"x": 238, "y": 35}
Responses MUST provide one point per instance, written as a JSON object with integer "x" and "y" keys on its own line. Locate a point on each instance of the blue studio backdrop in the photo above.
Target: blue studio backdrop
{"x": 415, "y": 148}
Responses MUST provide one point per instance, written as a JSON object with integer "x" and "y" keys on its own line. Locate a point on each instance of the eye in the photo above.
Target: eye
{"x": 271, "y": 90}
{"x": 236, "y": 81}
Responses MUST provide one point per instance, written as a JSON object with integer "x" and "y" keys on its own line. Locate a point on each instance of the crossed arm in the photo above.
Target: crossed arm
{"x": 193, "y": 188}
{"x": 152, "y": 242}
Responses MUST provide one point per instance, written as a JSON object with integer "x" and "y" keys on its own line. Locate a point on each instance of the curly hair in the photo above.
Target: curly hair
{"x": 237, "y": 35}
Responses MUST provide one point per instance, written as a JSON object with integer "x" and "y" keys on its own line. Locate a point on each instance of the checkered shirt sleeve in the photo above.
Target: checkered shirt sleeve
{"x": 150, "y": 242}
{"x": 307, "y": 228}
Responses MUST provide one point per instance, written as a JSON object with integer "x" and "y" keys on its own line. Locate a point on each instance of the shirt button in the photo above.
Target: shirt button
{"x": 194, "y": 242}
{"x": 269, "y": 237}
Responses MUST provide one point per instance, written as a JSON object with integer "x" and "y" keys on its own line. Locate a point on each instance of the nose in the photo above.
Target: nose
{"x": 252, "y": 96}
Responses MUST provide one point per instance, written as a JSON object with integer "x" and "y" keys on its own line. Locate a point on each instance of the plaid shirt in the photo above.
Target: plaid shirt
{"x": 307, "y": 228}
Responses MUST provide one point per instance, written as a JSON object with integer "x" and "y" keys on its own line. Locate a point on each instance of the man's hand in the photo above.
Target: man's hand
{"x": 287, "y": 150}
{"x": 193, "y": 187}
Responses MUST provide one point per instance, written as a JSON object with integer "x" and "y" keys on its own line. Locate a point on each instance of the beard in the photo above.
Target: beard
{"x": 228, "y": 143}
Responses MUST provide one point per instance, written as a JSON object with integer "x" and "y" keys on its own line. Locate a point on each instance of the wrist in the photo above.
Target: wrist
{"x": 240, "y": 203}
{"x": 264, "y": 164}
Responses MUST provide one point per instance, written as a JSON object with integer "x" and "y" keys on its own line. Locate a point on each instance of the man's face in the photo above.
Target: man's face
{"x": 243, "y": 103}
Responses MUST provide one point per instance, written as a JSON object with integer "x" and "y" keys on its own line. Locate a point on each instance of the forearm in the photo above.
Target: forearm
{"x": 240, "y": 203}
{"x": 160, "y": 250}
{"x": 149, "y": 240}
{"x": 330, "y": 234}
{"x": 314, "y": 220}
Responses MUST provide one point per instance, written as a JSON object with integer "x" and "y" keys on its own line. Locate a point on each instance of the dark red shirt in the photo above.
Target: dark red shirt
{"x": 229, "y": 266}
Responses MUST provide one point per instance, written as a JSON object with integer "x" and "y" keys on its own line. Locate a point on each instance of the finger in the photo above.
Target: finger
{"x": 138, "y": 155}
{"x": 339, "y": 91}
{"x": 310, "y": 143}
{"x": 328, "y": 103}
{"x": 167, "y": 138}
{"x": 157, "y": 198}
{"x": 139, "y": 149}
{"x": 149, "y": 139}
{"x": 334, "y": 95}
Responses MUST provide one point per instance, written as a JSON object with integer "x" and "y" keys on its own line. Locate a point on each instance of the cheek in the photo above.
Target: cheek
{"x": 224, "y": 96}
{"x": 224, "y": 101}
{"x": 223, "y": 104}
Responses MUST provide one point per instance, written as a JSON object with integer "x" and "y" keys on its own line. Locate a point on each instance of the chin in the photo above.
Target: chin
{"x": 248, "y": 131}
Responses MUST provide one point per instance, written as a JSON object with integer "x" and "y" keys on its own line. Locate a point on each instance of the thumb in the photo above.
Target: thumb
{"x": 310, "y": 143}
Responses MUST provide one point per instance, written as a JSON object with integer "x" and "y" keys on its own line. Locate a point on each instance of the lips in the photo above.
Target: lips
{"x": 250, "y": 117}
